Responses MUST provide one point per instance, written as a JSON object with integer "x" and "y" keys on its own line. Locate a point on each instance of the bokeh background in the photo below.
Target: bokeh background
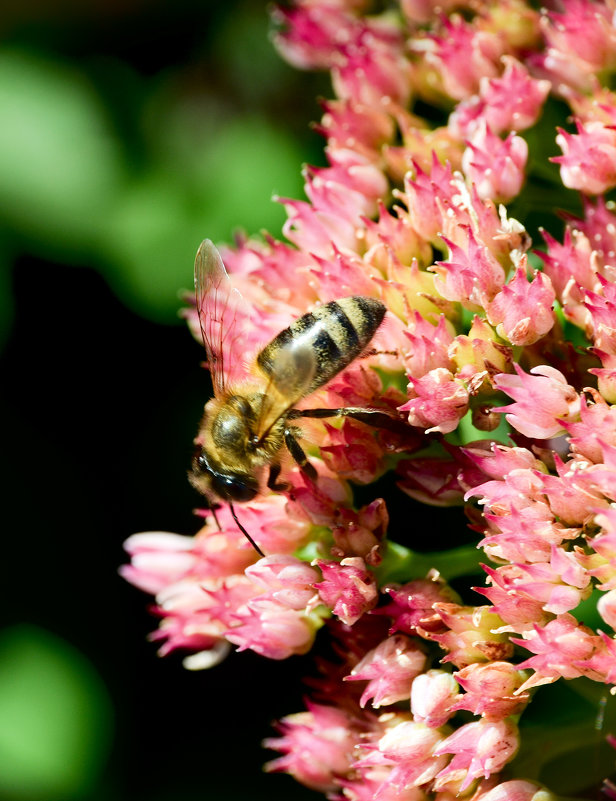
{"x": 129, "y": 130}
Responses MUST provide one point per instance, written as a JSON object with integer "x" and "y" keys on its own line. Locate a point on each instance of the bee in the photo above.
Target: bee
{"x": 249, "y": 422}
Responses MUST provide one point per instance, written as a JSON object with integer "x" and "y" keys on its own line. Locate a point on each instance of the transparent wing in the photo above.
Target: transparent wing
{"x": 222, "y": 313}
{"x": 290, "y": 369}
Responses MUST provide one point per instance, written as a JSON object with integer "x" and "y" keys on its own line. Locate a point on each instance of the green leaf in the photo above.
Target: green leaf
{"x": 562, "y": 736}
{"x": 55, "y": 718}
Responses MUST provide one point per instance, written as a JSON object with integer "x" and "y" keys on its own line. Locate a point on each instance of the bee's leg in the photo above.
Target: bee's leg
{"x": 376, "y": 352}
{"x": 372, "y": 417}
{"x": 297, "y": 452}
{"x": 272, "y": 481}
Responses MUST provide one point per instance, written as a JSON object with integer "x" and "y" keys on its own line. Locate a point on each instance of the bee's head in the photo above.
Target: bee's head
{"x": 224, "y": 486}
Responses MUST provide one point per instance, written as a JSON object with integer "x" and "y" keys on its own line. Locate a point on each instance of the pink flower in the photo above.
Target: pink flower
{"x": 361, "y": 533}
{"x": 199, "y": 584}
{"x": 462, "y": 55}
{"x": 318, "y": 230}
{"x": 317, "y": 746}
{"x": 353, "y": 452}
{"x": 561, "y": 648}
{"x": 599, "y": 227}
{"x": 192, "y": 618}
{"x": 411, "y": 749}
{"x": 271, "y": 629}
{"x": 518, "y": 609}
{"x": 498, "y": 461}
{"x": 429, "y": 345}
{"x": 158, "y": 559}
{"x": 509, "y": 102}
{"x": 432, "y": 698}
{"x": 392, "y": 243}
{"x": 471, "y": 635}
{"x": 522, "y": 310}
{"x": 183, "y": 632}
{"x": 588, "y": 162}
{"x": 479, "y": 352}
{"x": 390, "y": 669}
{"x": 349, "y": 189}
{"x": 606, "y": 606}
{"x": 606, "y": 378}
{"x": 602, "y": 311}
{"x": 318, "y": 502}
{"x": 517, "y": 790}
{"x": 495, "y": 166}
{"x": 358, "y": 385}
{"x": 374, "y": 783}
{"x": 369, "y": 74}
{"x": 564, "y": 70}
{"x": 520, "y": 490}
{"x": 480, "y": 749}
{"x": 570, "y": 265}
{"x": 348, "y": 124}
{"x": 491, "y": 690}
{"x": 438, "y": 401}
{"x": 270, "y": 523}
{"x": 428, "y": 196}
{"x": 602, "y": 563}
{"x": 434, "y": 481}
{"x": 366, "y": 59}
{"x": 311, "y": 33}
{"x": 597, "y": 425}
{"x": 287, "y": 580}
{"x": 473, "y": 276}
{"x": 573, "y": 495}
{"x": 261, "y": 273}
{"x": 583, "y": 28}
{"x": 542, "y": 400}
{"x": 342, "y": 274}
{"x": 601, "y": 665}
{"x": 412, "y": 605}
{"x": 524, "y": 535}
{"x": 348, "y": 588}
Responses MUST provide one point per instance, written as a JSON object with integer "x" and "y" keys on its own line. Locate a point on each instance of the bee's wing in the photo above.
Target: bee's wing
{"x": 290, "y": 375}
{"x": 218, "y": 307}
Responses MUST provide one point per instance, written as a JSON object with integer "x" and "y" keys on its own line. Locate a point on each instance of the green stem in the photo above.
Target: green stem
{"x": 402, "y": 564}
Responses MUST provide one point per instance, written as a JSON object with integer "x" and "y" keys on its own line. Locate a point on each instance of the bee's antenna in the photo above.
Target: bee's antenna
{"x": 244, "y": 532}
{"x": 213, "y": 511}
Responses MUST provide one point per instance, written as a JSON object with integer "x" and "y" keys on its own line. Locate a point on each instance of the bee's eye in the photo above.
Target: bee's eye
{"x": 235, "y": 489}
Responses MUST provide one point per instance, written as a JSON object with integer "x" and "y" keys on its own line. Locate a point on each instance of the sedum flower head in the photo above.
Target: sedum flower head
{"x": 457, "y": 135}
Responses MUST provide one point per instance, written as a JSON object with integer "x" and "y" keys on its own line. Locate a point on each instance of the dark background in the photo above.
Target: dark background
{"x": 101, "y": 384}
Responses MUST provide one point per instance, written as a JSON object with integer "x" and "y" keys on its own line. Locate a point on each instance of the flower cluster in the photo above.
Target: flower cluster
{"x": 497, "y": 363}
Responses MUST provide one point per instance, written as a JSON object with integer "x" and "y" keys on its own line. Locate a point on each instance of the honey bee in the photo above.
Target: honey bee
{"x": 248, "y": 422}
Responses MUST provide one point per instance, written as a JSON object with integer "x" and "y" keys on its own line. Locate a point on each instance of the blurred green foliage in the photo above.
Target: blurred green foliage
{"x": 128, "y": 172}
{"x": 60, "y": 166}
{"x": 55, "y": 718}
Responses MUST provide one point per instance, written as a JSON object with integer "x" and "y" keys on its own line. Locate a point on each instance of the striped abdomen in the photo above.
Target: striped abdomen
{"x": 336, "y": 333}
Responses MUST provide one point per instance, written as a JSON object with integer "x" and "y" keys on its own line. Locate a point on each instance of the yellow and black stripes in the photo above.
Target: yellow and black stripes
{"x": 335, "y": 334}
